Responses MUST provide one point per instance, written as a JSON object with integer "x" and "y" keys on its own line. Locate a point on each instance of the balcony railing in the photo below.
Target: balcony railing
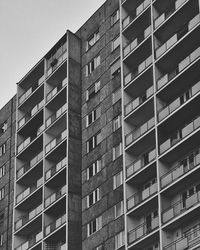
{"x": 55, "y": 196}
{"x": 52, "y": 144}
{"x": 30, "y": 242}
{"x": 181, "y": 169}
{"x": 141, "y": 196}
{"x": 179, "y": 101}
{"x": 23, "y": 97}
{"x": 54, "y": 91}
{"x": 137, "y": 41}
{"x": 141, "y": 163}
{"x": 181, "y": 66}
{"x": 138, "y": 11}
{"x": 56, "y": 115}
{"x": 180, "y": 207}
{"x": 188, "y": 240}
{"x": 142, "y": 230}
{"x": 52, "y": 171}
{"x": 180, "y": 135}
{"x": 32, "y": 163}
{"x": 25, "y": 219}
{"x": 55, "y": 225}
{"x": 131, "y": 137}
{"x": 161, "y": 18}
{"x": 29, "y": 190}
{"x": 132, "y": 75}
{"x": 132, "y": 105}
{"x": 184, "y": 30}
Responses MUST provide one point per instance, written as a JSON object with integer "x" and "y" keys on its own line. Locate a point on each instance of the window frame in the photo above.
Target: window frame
{"x": 95, "y": 36}
{"x": 96, "y": 168}
{"x": 115, "y": 17}
{"x": 115, "y": 184}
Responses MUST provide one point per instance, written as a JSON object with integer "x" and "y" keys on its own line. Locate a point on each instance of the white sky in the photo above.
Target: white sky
{"x": 29, "y": 28}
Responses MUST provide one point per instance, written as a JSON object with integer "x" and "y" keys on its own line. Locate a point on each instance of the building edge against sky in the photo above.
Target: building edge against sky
{"x": 105, "y": 156}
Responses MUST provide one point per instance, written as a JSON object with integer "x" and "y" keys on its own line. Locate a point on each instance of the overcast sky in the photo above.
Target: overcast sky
{"x": 29, "y": 28}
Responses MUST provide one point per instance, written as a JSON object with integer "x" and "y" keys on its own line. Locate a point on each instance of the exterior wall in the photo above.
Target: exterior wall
{"x": 7, "y": 114}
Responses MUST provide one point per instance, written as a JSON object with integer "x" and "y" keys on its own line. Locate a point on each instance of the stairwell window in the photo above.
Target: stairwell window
{"x": 117, "y": 123}
{"x": 93, "y": 116}
{"x": 2, "y": 171}
{"x": 92, "y": 90}
{"x": 117, "y": 180}
{"x": 93, "y": 169}
{"x": 114, "y": 17}
{"x": 94, "y": 225}
{"x": 117, "y": 151}
{"x": 119, "y": 240}
{"x": 2, "y": 193}
{"x": 2, "y": 149}
{"x": 93, "y": 142}
{"x": 92, "y": 39}
{"x": 93, "y": 197}
{"x": 92, "y": 65}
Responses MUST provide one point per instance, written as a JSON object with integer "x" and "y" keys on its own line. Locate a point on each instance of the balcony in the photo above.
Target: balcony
{"x": 141, "y": 196}
{"x": 56, "y": 115}
{"x": 27, "y": 218}
{"x": 55, "y": 225}
{"x": 187, "y": 241}
{"x": 141, "y": 8}
{"x": 28, "y": 191}
{"x": 33, "y": 112}
{"x": 31, "y": 164}
{"x": 177, "y": 36}
{"x": 139, "y": 164}
{"x": 161, "y": 18}
{"x": 137, "y": 41}
{"x": 55, "y": 90}
{"x": 181, "y": 66}
{"x": 142, "y": 230}
{"x": 30, "y": 242}
{"x": 53, "y": 143}
{"x": 180, "y": 207}
{"x": 142, "y": 66}
{"x": 137, "y": 133}
{"x": 55, "y": 196}
{"x": 26, "y": 95}
{"x": 183, "y": 167}
{"x": 51, "y": 172}
{"x": 179, "y": 101}
{"x": 132, "y": 105}
{"x": 180, "y": 135}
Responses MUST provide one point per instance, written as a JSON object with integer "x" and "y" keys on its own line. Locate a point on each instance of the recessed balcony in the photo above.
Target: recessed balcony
{"x": 180, "y": 135}
{"x": 56, "y": 141}
{"x": 56, "y": 90}
{"x": 141, "y": 163}
{"x": 55, "y": 169}
{"x": 142, "y": 230}
{"x": 50, "y": 120}
{"x": 52, "y": 198}
{"x": 54, "y": 226}
{"x": 33, "y": 240}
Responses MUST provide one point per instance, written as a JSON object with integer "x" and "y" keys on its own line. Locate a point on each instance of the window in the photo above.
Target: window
{"x": 93, "y": 116}
{"x": 117, "y": 151}
{"x": 92, "y": 65}
{"x": 115, "y": 67}
{"x": 2, "y": 171}
{"x": 1, "y": 239}
{"x": 2, "y": 193}
{"x": 1, "y": 219}
{"x": 94, "y": 225}
{"x": 3, "y": 127}
{"x": 115, "y": 43}
{"x": 117, "y": 95}
{"x": 93, "y": 142}
{"x": 117, "y": 122}
{"x": 92, "y": 90}
{"x": 119, "y": 240}
{"x": 93, "y": 169}
{"x": 115, "y": 17}
{"x": 2, "y": 149}
{"x": 99, "y": 247}
{"x": 92, "y": 39}
{"x": 119, "y": 209}
{"x": 93, "y": 197}
{"x": 117, "y": 180}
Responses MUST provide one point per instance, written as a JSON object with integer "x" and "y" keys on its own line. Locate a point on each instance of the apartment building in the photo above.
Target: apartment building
{"x": 107, "y": 149}
{"x": 161, "y": 84}
{"x": 7, "y": 159}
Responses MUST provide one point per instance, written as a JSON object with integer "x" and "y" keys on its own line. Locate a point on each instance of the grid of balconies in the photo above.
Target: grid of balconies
{"x": 161, "y": 86}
